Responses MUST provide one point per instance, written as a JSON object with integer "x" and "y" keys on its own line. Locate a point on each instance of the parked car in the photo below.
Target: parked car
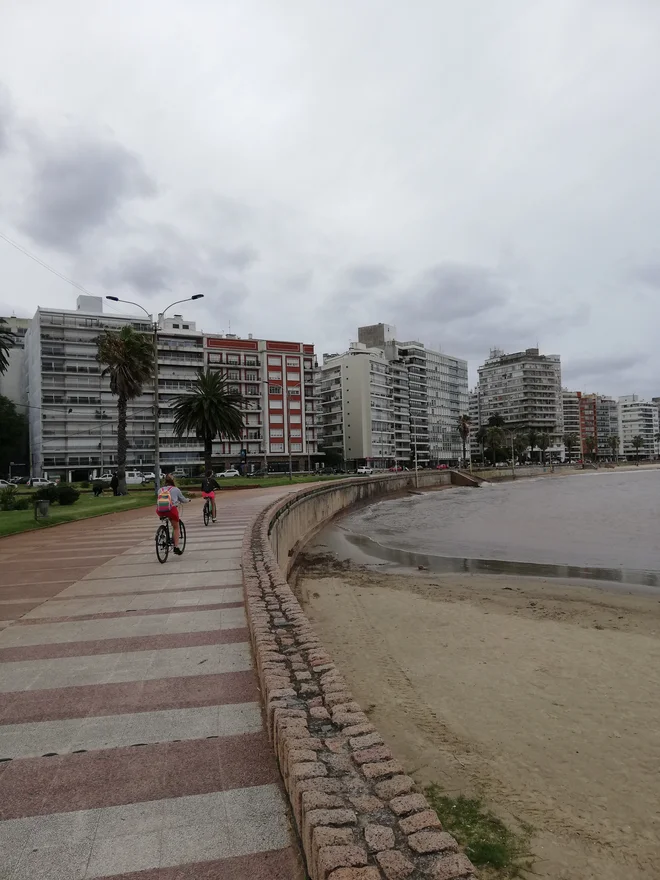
{"x": 232, "y": 472}
{"x": 4, "y": 484}
{"x": 364, "y": 470}
{"x": 398, "y": 468}
{"x": 442, "y": 467}
{"x": 19, "y": 481}
{"x": 261, "y": 472}
{"x": 36, "y": 482}
{"x": 150, "y": 477}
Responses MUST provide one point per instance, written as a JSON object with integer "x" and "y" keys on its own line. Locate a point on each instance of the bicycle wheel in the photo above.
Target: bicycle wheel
{"x": 182, "y": 536}
{"x": 207, "y": 512}
{"x": 162, "y": 543}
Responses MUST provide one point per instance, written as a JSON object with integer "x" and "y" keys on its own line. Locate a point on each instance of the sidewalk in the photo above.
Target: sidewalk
{"x": 131, "y": 737}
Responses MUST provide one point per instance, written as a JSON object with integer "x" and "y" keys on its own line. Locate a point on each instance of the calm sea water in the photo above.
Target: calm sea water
{"x": 602, "y": 525}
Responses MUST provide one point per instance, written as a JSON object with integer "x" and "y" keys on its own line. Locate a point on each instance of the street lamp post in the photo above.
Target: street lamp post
{"x": 156, "y": 327}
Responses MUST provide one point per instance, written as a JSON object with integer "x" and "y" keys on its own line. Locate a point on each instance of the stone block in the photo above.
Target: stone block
{"x": 366, "y": 741}
{"x": 420, "y": 822}
{"x": 424, "y": 842}
{"x": 391, "y": 788}
{"x": 453, "y": 867}
{"x": 381, "y": 769}
{"x": 332, "y": 857}
{"x": 355, "y": 874}
{"x": 379, "y": 837}
{"x": 409, "y": 803}
{"x": 395, "y": 866}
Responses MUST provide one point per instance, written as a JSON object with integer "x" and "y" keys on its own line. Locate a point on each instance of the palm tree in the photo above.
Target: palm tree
{"x": 494, "y": 440}
{"x": 570, "y": 442}
{"x": 638, "y": 443}
{"x": 210, "y": 410}
{"x": 496, "y": 421}
{"x": 543, "y": 443}
{"x": 520, "y": 446}
{"x": 129, "y": 362}
{"x": 464, "y": 423}
{"x": 613, "y": 442}
{"x": 533, "y": 438}
{"x": 481, "y": 436}
{"x": 590, "y": 446}
{"x": 6, "y": 342}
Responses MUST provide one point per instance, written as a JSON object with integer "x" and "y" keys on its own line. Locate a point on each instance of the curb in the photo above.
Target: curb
{"x": 358, "y": 815}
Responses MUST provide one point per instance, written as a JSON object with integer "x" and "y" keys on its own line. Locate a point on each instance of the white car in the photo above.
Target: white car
{"x": 4, "y": 484}
{"x": 35, "y": 482}
{"x": 232, "y": 472}
{"x": 364, "y": 470}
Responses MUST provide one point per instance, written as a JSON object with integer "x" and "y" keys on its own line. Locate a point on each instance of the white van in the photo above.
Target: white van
{"x": 134, "y": 478}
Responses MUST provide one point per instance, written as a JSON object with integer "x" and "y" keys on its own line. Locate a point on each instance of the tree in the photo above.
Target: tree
{"x": 613, "y": 443}
{"x": 495, "y": 439}
{"x": 481, "y": 436}
{"x": 590, "y": 447}
{"x": 210, "y": 410}
{"x": 533, "y": 440}
{"x": 520, "y": 446}
{"x": 570, "y": 442}
{"x": 128, "y": 357}
{"x": 543, "y": 444}
{"x": 638, "y": 443}
{"x": 7, "y": 342}
{"x": 496, "y": 421}
{"x": 464, "y": 423}
{"x": 13, "y": 435}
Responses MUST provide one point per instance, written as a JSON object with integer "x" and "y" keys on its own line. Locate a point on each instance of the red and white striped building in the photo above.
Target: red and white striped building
{"x": 277, "y": 380}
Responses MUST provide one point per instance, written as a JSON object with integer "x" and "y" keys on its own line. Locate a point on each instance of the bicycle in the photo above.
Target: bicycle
{"x": 165, "y": 539}
{"x": 208, "y": 511}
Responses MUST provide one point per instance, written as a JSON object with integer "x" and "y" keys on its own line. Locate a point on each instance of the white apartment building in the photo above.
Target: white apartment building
{"x": 73, "y": 415}
{"x": 358, "y": 406}
{"x": 437, "y": 392}
{"x": 12, "y": 384}
{"x": 525, "y": 389}
{"x": 638, "y": 417}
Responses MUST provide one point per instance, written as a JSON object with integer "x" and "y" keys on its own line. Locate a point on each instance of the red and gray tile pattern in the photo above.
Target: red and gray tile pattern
{"x": 131, "y": 737}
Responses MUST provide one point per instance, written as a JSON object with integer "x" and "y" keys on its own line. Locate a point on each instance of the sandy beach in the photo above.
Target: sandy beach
{"x": 542, "y": 696}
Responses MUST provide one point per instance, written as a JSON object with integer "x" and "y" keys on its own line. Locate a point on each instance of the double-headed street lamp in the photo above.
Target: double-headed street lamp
{"x": 156, "y": 413}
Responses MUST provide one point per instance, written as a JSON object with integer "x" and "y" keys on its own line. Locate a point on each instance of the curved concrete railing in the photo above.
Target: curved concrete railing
{"x": 358, "y": 814}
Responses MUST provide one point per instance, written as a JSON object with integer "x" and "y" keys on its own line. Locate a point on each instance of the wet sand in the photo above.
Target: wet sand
{"x": 541, "y": 695}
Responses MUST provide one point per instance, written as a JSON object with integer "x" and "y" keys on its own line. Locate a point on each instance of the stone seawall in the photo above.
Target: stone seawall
{"x": 358, "y": 815}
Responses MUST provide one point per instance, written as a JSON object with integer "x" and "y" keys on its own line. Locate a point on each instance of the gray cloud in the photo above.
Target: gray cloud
{"x": 79, "y": 185}
{"x": 599, "y": 367}
{"x": 6, "y": 119}
{"x": 450, "y": 291}
{"x": 368, "y": 275}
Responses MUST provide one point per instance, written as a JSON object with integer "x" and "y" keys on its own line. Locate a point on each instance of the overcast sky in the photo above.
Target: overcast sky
{"x": 479, "y": 173}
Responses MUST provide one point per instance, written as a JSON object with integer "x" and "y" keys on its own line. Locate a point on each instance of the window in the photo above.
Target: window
{"x": 276, "y": 419}
{"x": 296, "y": 432}
{"x": 294, "y": 404}
{"x": 251, "y": 361}
{"x": 295, "y": 419}
{"x": 276, "y": 404}
{"x": 274, "y": 361}
{"x": 186, "y": 326}
{"x": 274, "y": 389}
{"x": 294, "y": 390}
{"x": 251, "y": 376}
{"x": 296, "y": 447}
{"x": 252, "y": 390}
{"x": 277, "y": 432}
{"x": 293, "y": 377}
{"x": 233, "y": 359}
{"x": 175, "y": 326}
{"x": 292, "y": 362}
{"x": 277, "y": 447}
{"x": 275, "y": 374}
{"x": 234, "y": 374}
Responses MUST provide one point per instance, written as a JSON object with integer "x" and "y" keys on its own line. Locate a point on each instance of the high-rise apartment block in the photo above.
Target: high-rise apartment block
{"x": 638, "y": 418}
{"x": 12, "y": 384}
{"x": 387, "y": 402}
{"x": 72, "y": 413}
{"x": 525, "y": 389}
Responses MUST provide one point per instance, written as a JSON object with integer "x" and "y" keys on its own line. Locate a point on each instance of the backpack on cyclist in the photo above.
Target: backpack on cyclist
{"x": 164, "y": 502}
{"x": 207, "y": 485}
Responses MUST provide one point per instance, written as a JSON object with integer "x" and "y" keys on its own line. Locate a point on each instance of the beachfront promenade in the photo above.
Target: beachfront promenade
{"x": 131, "y": 735}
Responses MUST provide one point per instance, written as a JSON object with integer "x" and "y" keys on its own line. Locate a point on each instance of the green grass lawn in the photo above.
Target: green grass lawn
{"x": 12, "y": 522}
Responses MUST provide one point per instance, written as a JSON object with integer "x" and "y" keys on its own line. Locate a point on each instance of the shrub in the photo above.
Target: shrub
{"x": 85, "y": 484}
{"x": 8, "y": 498}
{"x": 67, "y": 494}
{"x": 47, "y": 493}
{"x": 22, "y": 503}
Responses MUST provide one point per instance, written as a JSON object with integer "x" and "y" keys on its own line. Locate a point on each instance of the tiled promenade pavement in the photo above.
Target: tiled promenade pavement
{"x": 131, "y": 738}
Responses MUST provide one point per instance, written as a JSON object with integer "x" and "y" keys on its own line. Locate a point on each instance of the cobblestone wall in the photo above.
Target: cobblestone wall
{"x": 358, "y": 814}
